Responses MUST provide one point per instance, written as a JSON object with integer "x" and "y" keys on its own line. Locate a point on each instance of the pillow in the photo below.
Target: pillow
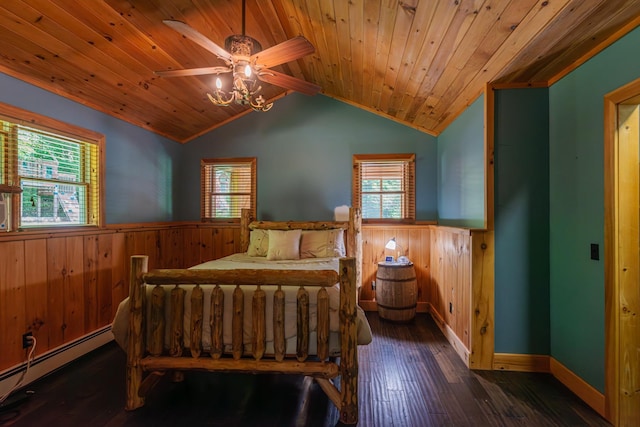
{"x": 322, "y": 244}
{"x": 258, "y": 243}
{"x": 284, "y": 244}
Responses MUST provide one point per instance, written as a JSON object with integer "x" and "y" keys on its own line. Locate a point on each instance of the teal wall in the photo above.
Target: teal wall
{"x": 461, "y": 170}
{"x": 304, "y": 147}
{"x": 140, "y": 166}
{"x": 577, "y": 205}
{"x": 521, "y": 207}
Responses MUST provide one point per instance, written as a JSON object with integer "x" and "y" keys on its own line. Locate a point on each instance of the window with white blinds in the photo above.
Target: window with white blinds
{"x": 227, "y": 187}
{"x": 383, "y": 186}
{"x": 52, "y": 174}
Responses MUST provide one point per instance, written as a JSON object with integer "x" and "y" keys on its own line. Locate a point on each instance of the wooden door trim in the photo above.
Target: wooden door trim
{"x": 617, "y": 338}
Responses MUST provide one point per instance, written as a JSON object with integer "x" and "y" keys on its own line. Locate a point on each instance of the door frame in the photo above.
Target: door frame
{"x": 621, "y": 303}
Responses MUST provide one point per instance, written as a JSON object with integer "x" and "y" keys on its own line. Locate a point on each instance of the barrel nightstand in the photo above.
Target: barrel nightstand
{"x": 396, "y": 291}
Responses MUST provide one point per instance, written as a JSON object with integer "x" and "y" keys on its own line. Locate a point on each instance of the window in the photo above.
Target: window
{"x": 52, "y": 170}
{"x": 384, "y": 186}
{"x": 227, "y": 187}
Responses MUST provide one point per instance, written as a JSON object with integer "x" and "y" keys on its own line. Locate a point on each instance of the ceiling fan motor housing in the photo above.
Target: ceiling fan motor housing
{"x": 241, "y": 45}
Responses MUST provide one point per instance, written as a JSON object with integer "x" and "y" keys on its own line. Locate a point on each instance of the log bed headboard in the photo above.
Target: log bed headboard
{"x": 352, "y": 229}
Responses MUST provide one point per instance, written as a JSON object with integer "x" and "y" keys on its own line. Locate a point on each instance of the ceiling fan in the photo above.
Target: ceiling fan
{"x": 248, "y": 64}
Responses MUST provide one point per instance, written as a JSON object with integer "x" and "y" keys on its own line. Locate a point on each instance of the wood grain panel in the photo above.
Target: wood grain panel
{"x": 482, "y": 300}
{"x": 628, "y": 253}
{"x": 191, "y": 245}
{"x": 74, "y": 290}
{"x": 12, "y": 301}
{"x": 451, "y": 282}
{"x": 171, "y": 249}
{"x": 35, "y": 255}
{"x": 119, "y": 270}
{"x": 105, "y": 279}
{"x": 91, "y": 257}
{"x": 56, "y": 274}
{"x": 152, "y": 247}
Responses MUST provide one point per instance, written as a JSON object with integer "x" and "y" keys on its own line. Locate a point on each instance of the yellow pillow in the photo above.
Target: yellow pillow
{"x": 322, "y": 244}
{"x": 258, "y": 243}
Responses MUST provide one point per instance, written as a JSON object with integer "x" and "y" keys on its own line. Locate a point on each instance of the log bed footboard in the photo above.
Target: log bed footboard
{"x": 152, "y": 358}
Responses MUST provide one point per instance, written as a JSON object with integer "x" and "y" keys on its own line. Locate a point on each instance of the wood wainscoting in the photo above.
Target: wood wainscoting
{"x": 454, "y": 272}
{"x": 61, "y": 286}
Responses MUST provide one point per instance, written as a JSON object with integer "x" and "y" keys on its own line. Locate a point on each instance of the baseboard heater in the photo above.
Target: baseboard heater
{"x": 56, "y": 358}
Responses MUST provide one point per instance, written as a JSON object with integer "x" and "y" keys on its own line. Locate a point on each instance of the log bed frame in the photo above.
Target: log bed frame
{"x": 152, "y": 358}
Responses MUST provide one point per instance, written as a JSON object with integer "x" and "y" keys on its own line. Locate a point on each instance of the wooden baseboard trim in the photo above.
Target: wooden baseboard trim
{"x": 450, "y": 335}
{"x": 422, "y": 307}
{"x": 578, "y": 386}
{"x": 547, "y": 364}
{"x": 521, "y": 362}
{"x": 370, "y": 305}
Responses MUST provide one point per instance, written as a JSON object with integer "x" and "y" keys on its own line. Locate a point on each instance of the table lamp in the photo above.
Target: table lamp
{"x": 393, "y": 245}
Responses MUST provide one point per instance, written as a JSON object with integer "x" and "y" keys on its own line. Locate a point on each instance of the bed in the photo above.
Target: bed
{"x": 276, "y": 307}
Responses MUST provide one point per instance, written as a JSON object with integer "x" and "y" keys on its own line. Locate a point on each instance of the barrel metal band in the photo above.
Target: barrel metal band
{"x": 397, "y": 308}
{"x": 384, "y": 279}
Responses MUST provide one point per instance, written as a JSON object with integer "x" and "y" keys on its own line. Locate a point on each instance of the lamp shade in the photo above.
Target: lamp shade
{"x": 391, "y": 244}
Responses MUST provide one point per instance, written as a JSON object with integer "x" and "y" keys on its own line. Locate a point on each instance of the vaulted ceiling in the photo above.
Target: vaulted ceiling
{"x": 419, "y": 62}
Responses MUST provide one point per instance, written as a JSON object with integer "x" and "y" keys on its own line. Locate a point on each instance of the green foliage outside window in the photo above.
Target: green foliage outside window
{"x": 382, "y": 198}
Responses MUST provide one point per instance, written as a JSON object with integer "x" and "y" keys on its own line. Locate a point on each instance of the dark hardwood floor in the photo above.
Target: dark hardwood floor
{"x": 409, "y": 376}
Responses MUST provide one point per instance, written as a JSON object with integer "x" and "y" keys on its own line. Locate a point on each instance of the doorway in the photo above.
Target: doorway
{"x": 622, "y": 255}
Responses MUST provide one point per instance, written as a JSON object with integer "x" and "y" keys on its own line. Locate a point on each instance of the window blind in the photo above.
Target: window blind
{"x": 227, "y": 187}
{"x": 58, "y": 176}
{"x": 383, "y": 187}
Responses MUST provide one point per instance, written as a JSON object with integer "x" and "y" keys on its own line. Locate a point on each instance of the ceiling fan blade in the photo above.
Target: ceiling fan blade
{"x": 198, "y": 38}
{"x": 288, "y": 82}
{"x": 281, "y": 53}
{"x": 193, "y": 72}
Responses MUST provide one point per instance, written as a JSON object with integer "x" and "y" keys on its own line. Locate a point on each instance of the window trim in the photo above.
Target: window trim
{"x": 356, "y": 189}
{"x": 47, "y": 124}
{"x": 239, "y": 160}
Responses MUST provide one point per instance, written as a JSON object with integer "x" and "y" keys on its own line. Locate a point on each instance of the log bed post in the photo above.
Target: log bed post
{"x": 348, "y": 342}
{"x": 354, "y": 244}
{"x": 135, "y": 343}
{"x": 245, "y": 220}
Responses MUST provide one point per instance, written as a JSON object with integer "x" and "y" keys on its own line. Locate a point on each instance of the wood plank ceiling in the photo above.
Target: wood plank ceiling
{"x": 419, "y": 62}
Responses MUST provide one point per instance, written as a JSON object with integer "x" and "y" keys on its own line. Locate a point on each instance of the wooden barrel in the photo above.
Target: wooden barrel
{"x": 396, "y": 291}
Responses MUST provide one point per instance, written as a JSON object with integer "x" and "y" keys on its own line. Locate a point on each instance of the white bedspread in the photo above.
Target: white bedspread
{"x": 243, "y": 261}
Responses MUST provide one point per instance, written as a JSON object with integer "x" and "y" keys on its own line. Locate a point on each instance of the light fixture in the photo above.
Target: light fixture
{"x": 393, "y": 245}
{"x": 246, "y": 65}
{"x": 245, "y": 88}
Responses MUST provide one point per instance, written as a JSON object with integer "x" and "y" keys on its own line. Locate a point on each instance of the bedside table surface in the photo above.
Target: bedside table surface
{"x": 395, "y": 264}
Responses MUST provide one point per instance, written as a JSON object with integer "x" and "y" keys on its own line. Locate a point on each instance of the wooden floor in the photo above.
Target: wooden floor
{"x": 409, "y": 376}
